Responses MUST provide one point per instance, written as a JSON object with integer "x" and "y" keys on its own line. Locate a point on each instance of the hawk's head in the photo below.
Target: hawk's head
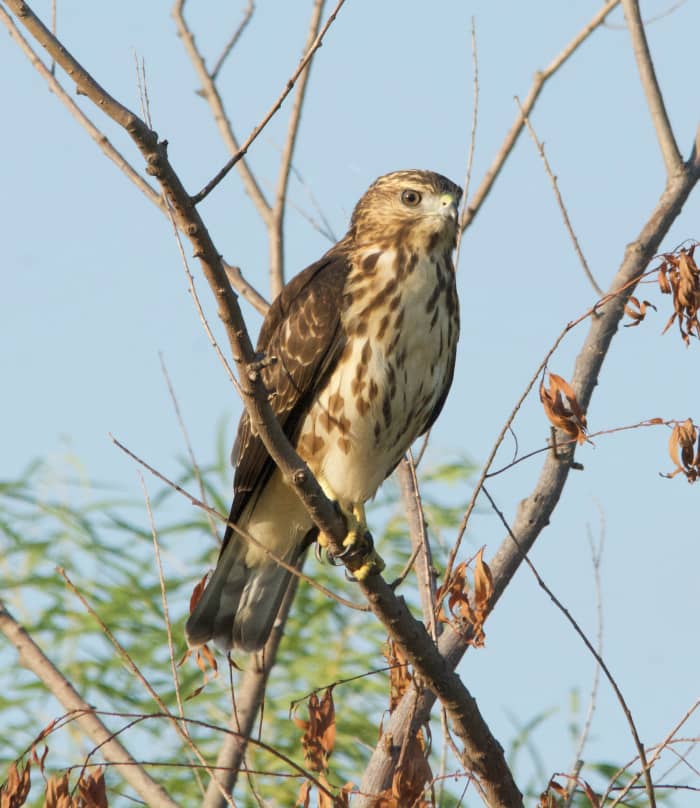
{"x": 411, "y": 206}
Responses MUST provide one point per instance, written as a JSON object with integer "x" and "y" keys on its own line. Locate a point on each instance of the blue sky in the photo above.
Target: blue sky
{"x": 93, "y": 290}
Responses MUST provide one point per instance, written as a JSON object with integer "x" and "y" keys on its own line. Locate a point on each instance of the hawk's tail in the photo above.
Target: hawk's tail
{"x": 240, "y": 602}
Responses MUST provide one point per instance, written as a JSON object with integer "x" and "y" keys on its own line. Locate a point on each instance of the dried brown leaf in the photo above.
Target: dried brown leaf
{"x": 92, "y": 790}
{"x": 399, "y": 674}
{"x": 684, "y": 453}
{"x": 319, "y": 731}
{"x": 637, "y": 311}
{"x": 58, "y": 792}
{"x": 569, "y": 417}
{"x": 412, "y": 774}
{"x": 15, "y": 790}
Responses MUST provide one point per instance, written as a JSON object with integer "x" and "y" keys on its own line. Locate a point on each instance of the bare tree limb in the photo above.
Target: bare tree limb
{"x": 33, "y": 658}
{"x": 233, "y": 39}
{"x": 473, "y": 206}
{"x": 655, "y": 101}
{"x": 99, "y": 137}
{"x": 535, "y": 510}
{"x": 482, "y": 754}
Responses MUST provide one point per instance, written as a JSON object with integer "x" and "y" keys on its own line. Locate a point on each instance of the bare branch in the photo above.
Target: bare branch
{"x": 472, "y": 135}
{"x": 474, "y": 204}
{"x": 216, "y": 105}
{"x": 589, "y": 645}
{"x": 233, "y": 40}
{"x": 536, "y": 509}
{"x": 101, "y": 139}
{"x": 652, "y": 91}
{"x": 289, "y": 86}
{"x": 560, "y": 201}
{"x": 276, "y": 231}
{"x": 425, "y": 574}
{"x": 32, "y": 658}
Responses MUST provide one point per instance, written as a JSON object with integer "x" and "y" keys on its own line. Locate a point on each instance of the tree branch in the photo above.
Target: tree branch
{"x": 482, "y": 753}
{"x": 32, "y": 658}
{"x": 536, "y": 509}
{"x": 655, "y": 101}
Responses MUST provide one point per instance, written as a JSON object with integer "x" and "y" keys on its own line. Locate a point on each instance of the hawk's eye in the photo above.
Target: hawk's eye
{"x": 410, "y": 197}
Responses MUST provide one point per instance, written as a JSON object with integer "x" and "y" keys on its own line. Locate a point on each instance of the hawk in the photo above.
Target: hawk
{"x": 361, "y": 348}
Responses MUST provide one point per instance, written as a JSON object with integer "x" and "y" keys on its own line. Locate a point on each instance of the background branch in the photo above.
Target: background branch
{"x": 652, "y": 92}
{"x": 32, "y": 658}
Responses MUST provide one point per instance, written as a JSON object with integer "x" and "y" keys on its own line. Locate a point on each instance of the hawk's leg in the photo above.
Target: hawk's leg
{"x": 358, "y": 547}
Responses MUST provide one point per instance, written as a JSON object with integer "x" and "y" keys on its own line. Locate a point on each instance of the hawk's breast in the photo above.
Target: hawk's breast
{"x": 401, "y": 320}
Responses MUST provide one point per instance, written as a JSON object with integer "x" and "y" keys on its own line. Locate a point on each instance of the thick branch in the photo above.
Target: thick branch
{"x": 32, "y": 658}
{"x": 652, "y": 91}
{"x": 483, "y": 755}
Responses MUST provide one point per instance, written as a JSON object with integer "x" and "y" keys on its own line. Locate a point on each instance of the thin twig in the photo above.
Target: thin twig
{"x": 415, "y": 516}
{"x": 652, "y": 91}
{"x": 211, "y": 94}
{"x": 472, "y": 134}
{"x": 235, "y": 36}
{"x": 188, "y": 444}
{"x": 86, "y": 717}
{"x": 99, "y": 137}
{"x": 560, "y": 201}
{"x": 166, "y": 616}
{"x": 652, "y": 760}
{"x": 596, "y": 556}
{"x": 276, "y": 228}
{"x": 289, "y": 86}
{"x": 474, "y": 204}
{"x": 589, "y": 645}
{"x": 136, "y": 671}
{"x": 207, "y": 509}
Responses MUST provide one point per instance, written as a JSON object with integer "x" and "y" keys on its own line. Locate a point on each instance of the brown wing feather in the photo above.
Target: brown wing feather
{"x": 303, "y": 333}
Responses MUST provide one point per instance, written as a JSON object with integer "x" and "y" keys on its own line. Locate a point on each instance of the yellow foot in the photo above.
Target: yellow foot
{"x": 358, "y": 548}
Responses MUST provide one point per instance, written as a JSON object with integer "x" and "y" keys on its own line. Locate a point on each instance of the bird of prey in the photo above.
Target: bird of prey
{"x": 360, "y": 351}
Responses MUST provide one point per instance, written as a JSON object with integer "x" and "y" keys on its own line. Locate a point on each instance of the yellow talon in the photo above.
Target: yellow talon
{"x": 357, "y": 542}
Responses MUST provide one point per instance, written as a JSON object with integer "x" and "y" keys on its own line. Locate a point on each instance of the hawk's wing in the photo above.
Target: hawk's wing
{"x": 303, "y": 336}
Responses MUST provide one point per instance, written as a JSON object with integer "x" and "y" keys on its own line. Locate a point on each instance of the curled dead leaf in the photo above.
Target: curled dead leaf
{"x": 679, "y": 276}
{"x": 684, "y": 451}
{"x": 399, "y": 673}
{"x": 463, "y": 606}
{"x": 562, "y": 408}
{"x": 637, "y": 311}
{"x": 319, "y": 731}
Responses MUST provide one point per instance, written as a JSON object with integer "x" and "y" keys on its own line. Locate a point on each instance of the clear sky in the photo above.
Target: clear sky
{"x": 93, "y": 289}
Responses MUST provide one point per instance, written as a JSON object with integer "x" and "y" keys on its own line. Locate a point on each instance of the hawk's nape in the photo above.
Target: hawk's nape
{"x": 364, "y": 344}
